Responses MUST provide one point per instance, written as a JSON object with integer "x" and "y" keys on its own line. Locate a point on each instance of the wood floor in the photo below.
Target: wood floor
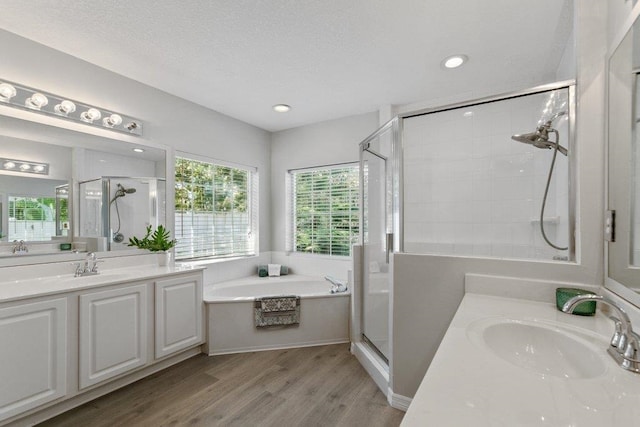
{"x": 311, "y": 386}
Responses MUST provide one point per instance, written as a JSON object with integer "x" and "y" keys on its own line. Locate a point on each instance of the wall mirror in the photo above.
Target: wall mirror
{"x": 96, "y": 193}
{"x": 623, "y": 190}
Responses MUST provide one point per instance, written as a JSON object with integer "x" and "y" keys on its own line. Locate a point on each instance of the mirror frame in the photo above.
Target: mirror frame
{"x": 609, "y": 283}
{"x": 96, "y": 134}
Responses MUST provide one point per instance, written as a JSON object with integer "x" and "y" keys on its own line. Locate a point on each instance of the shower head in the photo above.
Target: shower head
{"x": 540, "y": 138}
{"x": 121, "y": 192}
{"x": 126, "y": 190}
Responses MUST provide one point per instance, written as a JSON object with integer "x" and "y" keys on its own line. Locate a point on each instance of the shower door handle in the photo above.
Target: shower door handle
{"x": 389, "y": 246}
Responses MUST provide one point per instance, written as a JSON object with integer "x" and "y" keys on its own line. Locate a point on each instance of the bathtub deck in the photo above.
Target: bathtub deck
{"x": 312, "y": 386}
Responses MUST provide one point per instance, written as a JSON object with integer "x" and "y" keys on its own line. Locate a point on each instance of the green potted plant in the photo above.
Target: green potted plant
{"x": 158, "y": 240}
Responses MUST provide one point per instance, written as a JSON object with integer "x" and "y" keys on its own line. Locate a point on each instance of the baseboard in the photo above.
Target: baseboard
{"x": 276, "y": 347}
{"x": 398, "y": 401}
{"x": 376, "y": 370}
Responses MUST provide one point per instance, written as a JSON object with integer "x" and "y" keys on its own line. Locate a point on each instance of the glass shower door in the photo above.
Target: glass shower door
{"x": 376, "y": 241}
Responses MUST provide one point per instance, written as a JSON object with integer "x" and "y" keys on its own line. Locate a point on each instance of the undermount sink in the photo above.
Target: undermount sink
{"x": 541, "y": 348}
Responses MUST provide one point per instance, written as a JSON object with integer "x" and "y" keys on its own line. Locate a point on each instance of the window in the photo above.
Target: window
{"x": 215, "y": 209}
{"x": 32, "y": 218}
{"x": 324, "y": 209}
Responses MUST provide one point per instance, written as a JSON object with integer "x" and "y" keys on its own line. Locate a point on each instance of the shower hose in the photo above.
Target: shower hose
{"x": 546, "y": 191}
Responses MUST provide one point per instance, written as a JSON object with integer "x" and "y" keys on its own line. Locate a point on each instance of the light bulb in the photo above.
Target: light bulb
{"x": 90, "y": 115}
{"x": 36, "y": 101}
{"x": 454, "y": 61}
{"x": 38, "y": 168}
{"x": 131, "y": 126}
{"x": 7, "y": 91}
{"x": 9, "y": 165}
{"x": 281, "y": 108}
{"x": 64, "y": 108}
{"x": 25, "y": 167}
{"x": 112, "y": 120}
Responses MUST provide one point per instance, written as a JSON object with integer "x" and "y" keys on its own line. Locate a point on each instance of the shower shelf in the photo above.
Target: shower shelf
{"x": 547, "y": 220}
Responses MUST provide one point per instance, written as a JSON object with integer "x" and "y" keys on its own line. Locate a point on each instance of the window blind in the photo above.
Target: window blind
{"x": 215, "y": 210}
{"x": 325, "y": 209}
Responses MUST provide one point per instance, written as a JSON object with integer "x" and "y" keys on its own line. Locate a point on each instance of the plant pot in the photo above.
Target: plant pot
{"x": 164, "y": 258}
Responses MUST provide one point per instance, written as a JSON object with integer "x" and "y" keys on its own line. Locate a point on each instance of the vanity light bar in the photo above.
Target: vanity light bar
{"x": 24, "y": 166}
{"x": 30, "y": 99}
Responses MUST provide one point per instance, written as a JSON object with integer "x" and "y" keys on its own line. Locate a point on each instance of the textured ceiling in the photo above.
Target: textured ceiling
{"x": 327, "y": 59}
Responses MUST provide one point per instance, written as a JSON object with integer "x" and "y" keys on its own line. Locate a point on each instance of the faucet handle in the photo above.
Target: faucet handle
{"x": 617, "y": 334}
{"x": 94, "y": 268}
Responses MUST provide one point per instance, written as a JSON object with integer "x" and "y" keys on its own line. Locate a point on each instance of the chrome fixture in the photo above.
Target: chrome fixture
{"x": 540, "y": 139}
{"x": 19, "y": 248}
{"x": 24, "y": 166}
{"x": 118, "y": 237}
{"x": 624, "y": 343}
{"x": 337, "y": 285}
{"x": 87, "y": 268}
{"x": 30, "y": 99}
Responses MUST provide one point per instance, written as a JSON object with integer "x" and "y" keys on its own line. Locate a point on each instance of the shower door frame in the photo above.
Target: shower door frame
{"x": 394, "y": 162}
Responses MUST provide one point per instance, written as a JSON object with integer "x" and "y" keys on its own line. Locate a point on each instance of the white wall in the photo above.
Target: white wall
{"x": 471, "y": 190}
{"x": 325, "y": 143}
{"x": 428, "y": 289}
{"x": 168, "y": 120}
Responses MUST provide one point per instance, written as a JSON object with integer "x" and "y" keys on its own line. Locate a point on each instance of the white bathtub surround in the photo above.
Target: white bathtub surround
{"x": 324, "y": 317}
{"x": 468, "y": 383}
{"x": 225, "y": 269}
{"x": 314, "y": 265}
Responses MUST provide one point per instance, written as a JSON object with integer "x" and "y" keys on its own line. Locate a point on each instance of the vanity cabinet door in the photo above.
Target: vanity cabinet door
{"x": 113, "y": 333}
{"x": 33, "y": 355}
{"x": 178, "y": 314}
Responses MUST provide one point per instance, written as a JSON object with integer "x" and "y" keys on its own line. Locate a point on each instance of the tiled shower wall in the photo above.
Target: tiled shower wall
{"x": 469, "y": 189}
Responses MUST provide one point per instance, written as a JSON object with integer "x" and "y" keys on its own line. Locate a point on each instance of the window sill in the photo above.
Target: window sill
{"x": 207, "y": 261}
{"x": 319, "y": 256}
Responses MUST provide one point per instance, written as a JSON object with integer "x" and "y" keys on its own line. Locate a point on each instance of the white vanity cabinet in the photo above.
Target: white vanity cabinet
{"x": 33, "y": 354}
{"x": 61, "y": 341}
{"x": 178, "y": 314}
{"x": 113, "y": 332}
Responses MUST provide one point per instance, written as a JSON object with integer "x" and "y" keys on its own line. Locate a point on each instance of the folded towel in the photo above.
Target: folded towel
{"x": 263, "y": 270}
{"x": 274, "y": 270}
{"x": 276, "y": 311}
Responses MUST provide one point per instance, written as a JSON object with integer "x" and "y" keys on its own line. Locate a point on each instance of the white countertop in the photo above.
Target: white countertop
{"x": 29, "y": 287}
{"x": 468, "y": 385}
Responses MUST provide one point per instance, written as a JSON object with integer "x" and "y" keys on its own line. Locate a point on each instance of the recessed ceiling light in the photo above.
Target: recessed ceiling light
{"x": 454, "y": 61}
{"x": 281, "y": 108}
{"x": 138, "y": 150}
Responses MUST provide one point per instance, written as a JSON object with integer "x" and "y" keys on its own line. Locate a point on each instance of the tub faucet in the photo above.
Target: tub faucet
{"x": 624, "y": 343}
{"x": 337, "y": 285}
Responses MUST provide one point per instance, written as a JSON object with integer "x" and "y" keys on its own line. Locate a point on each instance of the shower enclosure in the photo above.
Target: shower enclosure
{"x": 117, "y": 208}
{"x": 377, "y": 236}
{"x": 487, "y": 178}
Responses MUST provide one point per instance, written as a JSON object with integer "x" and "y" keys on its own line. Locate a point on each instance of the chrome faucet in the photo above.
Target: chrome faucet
{"x": 20, "y": 247}
{"x": 624, "y": 343}
{"x": 89, "y": 267}
{"x": 337, "y": 284}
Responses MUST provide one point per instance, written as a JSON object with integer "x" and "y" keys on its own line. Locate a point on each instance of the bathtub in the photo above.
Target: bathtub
{"x": 324, "y": 317}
